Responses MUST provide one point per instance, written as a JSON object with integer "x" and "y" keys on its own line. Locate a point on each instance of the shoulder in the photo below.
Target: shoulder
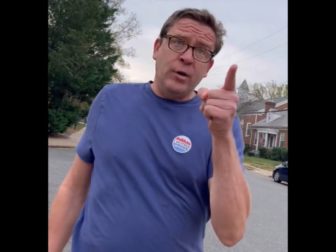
{"x": 121, "y": 92}
{"x": 115, "y": 89}
{"x": 122, "y": 87}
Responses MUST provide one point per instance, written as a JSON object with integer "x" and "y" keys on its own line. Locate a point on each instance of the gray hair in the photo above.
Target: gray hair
{"x": 202, "y": 16}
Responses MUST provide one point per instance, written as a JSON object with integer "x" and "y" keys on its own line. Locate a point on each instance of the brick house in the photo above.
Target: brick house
{"x": 271, "y": 131}
{"x": 263, "y": 122}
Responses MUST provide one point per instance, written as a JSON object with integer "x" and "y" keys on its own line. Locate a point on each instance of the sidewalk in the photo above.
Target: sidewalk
{"x": 65, "y": 141}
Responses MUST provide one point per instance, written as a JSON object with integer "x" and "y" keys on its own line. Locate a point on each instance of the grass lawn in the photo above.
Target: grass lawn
{"x": 262, "y": 163}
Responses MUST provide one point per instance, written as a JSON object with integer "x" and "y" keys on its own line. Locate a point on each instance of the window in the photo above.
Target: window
{"x": 255, "y": 137}
{"x": 271, "y": 141}
{"x": 282, "y": 140}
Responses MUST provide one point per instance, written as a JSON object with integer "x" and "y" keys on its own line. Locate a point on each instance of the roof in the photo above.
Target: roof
{"x": 278, "y": 99}
{"x": 281, "y": 122}
{"x": 244, "y": 86}
{"x": 251, "y": 107}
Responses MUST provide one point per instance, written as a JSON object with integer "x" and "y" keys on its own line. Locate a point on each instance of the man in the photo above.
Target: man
{"x": 158, "y": 160}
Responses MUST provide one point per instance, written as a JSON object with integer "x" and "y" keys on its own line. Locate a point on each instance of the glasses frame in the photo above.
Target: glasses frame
{"x": 169, "y": 37}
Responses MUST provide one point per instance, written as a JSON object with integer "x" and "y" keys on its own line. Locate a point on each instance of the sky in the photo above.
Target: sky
{"x": 256, "y": 39}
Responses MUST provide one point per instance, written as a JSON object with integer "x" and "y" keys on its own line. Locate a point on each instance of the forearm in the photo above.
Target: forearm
{"x": 229, "y": 193}
{"x": 63, "y": 214}
{"x": 67, "y": 204}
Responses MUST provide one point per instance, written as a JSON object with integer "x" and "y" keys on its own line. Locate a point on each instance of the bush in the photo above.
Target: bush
{"x": 276, "y": 154}
{"x": 264, "y": 152}
{"x": 60, "y": 120}
{"x": 284, "y": 154}
{"x": 57, "y": 123}
{"x": 247, "y": 148}
{"x": 279, "y": 154}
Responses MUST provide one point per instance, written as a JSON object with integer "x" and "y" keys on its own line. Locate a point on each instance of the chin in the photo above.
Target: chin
{"x": 179, "y": 87}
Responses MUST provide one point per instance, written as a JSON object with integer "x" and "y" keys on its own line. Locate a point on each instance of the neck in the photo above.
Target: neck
{"x": 172, "y": 95}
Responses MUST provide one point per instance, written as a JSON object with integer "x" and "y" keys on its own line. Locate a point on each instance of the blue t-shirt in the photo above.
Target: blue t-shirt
{"x": 152, "y": 161}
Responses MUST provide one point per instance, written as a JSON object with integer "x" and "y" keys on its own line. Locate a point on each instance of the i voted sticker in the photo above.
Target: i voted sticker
{"x": 181, "y": 144}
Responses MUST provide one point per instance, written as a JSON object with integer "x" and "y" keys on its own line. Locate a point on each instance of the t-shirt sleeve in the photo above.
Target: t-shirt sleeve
{"x": 238, "y": 136}
{"x": 84, "y": 147}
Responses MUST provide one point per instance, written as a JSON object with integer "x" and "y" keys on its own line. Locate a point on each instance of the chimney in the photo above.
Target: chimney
{"x": 269, "y": 105}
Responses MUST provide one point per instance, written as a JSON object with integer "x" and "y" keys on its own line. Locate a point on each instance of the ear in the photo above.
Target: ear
{"x": 157, "y": 45}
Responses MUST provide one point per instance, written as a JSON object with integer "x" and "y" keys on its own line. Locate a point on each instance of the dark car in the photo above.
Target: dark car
{"x": 280, "y": 172}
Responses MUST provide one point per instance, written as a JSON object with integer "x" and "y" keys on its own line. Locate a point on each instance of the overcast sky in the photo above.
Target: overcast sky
{"x": 256, "y": 38}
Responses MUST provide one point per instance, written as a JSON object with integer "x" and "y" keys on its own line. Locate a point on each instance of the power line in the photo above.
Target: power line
{"x": 257, "y": 41}
{"x": 271, "y": 49}
{"x": 254, "y": 42}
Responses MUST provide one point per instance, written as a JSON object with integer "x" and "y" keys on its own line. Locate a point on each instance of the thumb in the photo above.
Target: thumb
{"x": 203, "y": 93}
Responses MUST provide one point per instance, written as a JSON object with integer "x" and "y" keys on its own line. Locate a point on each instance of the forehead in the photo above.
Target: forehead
{"x": 192, "y": 29}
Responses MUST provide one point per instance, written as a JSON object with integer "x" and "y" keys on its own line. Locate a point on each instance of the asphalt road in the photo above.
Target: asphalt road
{"x": 267, "y": 225}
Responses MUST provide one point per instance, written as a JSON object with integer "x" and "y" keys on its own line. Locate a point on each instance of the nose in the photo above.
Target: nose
{"x": 187, "y": 56}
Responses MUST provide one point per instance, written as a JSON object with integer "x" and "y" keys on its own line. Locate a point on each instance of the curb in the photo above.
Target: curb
{"x": 60, "y": 146}
{"x": 65, "y": 141}
{"x": 258, "y": 170}
{"x": 61, "y": 143}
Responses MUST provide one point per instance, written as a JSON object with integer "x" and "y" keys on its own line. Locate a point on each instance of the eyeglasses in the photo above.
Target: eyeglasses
{"x": 180, "y": 45}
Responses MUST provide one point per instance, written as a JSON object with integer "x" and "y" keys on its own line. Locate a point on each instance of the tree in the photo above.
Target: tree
{"x": 259, "y": 90}
{"x": 84, "y": 44}
{"x": 284, "y": 90}
{"x": 270, "y": 90}
{"x": 273, "y": 90}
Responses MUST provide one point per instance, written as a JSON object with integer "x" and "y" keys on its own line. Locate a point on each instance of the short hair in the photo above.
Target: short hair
{"x": 202, "y": 16}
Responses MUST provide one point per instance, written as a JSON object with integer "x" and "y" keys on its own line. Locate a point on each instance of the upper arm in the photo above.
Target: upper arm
{"x": 84, "y": 147}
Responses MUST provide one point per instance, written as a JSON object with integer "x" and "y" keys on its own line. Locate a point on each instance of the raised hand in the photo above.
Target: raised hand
{"x": 219, "y": 105}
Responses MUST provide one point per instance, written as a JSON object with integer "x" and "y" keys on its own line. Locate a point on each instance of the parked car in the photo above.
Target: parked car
{"x": 280, "y": 172}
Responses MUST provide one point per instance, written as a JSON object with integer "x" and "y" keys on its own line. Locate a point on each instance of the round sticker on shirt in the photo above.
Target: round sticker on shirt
{"x": 181, "y": 144}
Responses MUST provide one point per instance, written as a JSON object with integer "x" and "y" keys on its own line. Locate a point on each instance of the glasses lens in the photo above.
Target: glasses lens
{"x": 202, "y": 54}
{"x": 177, "y": 44}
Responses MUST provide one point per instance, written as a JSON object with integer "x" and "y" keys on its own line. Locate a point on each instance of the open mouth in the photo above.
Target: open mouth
{"x": 182, "y": 74}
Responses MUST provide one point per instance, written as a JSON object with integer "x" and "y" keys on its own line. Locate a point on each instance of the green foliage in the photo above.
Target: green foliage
{"x": 82, "y": 53}
{"x": 264, "y": 153}
{"x": 247, "y": 148}
{"x": 262, "y": 163}
{"x": 259, "y": 90}
{"x": 275, "y": 154}
{"x": 283, "y": 154}
{"x": 279, "y": 154}
{"x": 61, "y": 119}
{"x": 269, "y": 90}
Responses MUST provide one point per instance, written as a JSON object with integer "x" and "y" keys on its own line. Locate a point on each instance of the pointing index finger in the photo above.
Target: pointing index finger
{"x": 230, "y": 79}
